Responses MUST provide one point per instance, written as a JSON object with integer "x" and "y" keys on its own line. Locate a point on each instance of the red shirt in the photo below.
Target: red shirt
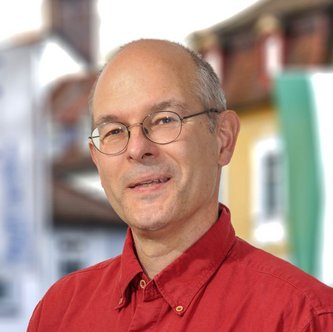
{"x": 220, "y": 283}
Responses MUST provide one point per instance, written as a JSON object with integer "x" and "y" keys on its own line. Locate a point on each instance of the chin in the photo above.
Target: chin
{"x": 151, "y": 225}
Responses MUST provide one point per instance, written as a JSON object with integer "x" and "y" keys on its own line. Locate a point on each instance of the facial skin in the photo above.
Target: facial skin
{"x": 144, "y": 77}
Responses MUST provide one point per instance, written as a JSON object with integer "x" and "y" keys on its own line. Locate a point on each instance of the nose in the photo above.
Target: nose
{"x": 135, "y": 125}
{"x": 144, "y": 130}
{"x": 139, "y": 146}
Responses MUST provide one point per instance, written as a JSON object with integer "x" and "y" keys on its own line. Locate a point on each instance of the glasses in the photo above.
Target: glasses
{"x": 162, "y": 127}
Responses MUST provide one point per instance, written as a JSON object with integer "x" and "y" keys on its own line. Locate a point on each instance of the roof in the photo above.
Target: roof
{"x": 278, "y": 8}
{"x": 75, "y": 208}
{"x": 69, "y": 97}
{"x": 245, "y": 80}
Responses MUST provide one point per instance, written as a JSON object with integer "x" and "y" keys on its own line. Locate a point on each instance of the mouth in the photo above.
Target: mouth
{"x": 149, "y": 182}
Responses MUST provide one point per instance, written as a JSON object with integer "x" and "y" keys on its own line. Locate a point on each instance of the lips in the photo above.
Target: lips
{"x": 148, "y": 182}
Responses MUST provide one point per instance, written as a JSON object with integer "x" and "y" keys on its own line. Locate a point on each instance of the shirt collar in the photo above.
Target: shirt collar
{"x": 193, "y": 268}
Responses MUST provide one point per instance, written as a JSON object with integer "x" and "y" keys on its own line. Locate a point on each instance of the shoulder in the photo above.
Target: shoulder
{"x": 261, "y": 289}
{"x": 71, "y": 293}
{"x": 84, "y": 280}
{"x": 106, "y": 266}
{"x": 277, "y": 289}
{"x": 281, "y": 275}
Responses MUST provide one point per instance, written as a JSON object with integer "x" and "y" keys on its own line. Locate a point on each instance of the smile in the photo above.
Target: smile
{"x": 149, "y": 182}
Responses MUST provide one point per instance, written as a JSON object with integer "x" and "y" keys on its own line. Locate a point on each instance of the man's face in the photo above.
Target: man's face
{"x": 156, "y": 187}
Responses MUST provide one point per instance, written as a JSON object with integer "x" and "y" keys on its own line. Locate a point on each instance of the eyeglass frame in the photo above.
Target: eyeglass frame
{"x": 182, "y": 119}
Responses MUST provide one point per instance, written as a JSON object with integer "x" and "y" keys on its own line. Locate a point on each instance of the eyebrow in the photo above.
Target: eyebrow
{"x": 105, "y": 119}
{"x": 161, "y": 106}
{"x": 170, "y": 103}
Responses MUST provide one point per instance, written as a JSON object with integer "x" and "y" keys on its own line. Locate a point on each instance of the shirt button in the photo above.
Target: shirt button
{"x": 179, "y": 308}
{"x": 142, "y": 284}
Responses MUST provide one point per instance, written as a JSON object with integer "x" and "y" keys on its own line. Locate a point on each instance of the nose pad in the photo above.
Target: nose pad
{"x": 139, "y": 124}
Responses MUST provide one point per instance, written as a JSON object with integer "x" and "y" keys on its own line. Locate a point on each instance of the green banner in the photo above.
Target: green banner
{"x": 294, "y": 99}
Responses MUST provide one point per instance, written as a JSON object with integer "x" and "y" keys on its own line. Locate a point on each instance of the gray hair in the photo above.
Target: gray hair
{"x": 207, "y": 86}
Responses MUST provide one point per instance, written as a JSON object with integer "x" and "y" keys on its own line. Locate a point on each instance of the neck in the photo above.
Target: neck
{"x": 157, "y": 249}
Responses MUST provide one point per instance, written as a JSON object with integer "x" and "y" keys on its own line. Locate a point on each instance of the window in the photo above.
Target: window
{"x": 9, "y": 299}
{"x": 71, "y": 251}
{"x": 273, "y": 55}
{"x": 268, "y": 182}
{"x": 69, "y": 265}
{"x": 215, "y": 58}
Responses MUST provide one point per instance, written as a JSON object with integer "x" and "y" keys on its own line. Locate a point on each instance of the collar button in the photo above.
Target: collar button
{"x": 143, "y": 284}
{"x": 179, "y": 308}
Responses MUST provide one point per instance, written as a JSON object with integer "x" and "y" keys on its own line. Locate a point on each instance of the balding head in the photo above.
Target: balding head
{"x": 149, "y": 54}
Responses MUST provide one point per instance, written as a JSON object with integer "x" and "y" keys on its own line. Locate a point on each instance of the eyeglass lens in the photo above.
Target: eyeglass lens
{"x": 160, "y": 127}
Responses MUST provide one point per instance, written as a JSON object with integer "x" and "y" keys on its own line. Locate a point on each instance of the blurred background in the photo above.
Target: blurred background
{"x": 274, "y": 59}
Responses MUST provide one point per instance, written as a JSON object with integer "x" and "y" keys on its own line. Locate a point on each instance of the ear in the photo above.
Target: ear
{"x": 93, "y": 153}
{"x": 227, "y": 132}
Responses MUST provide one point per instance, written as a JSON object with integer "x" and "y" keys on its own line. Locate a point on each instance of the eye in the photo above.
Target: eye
{"x": 164, "y": 118}
{"x": 115, "y": 132}
{"x": 111, "y": 132}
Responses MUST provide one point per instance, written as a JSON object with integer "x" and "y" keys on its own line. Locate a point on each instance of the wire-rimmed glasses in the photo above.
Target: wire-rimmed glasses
{"x": 161, "y": 127}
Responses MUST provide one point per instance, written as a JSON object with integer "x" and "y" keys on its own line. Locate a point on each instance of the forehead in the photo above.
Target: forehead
{"x": 167, "y": 105}
{"x": 143, "y": 76}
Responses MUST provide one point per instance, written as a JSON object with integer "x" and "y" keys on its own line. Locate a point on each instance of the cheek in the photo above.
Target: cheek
{"x": 190, "y": 167}
{"x": 204, "y": 162}
{"x": 203, "y": 150}
{"x": 107, "y": 175}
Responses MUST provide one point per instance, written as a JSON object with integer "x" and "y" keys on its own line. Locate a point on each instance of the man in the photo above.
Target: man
{"x": 161, "y": 135}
